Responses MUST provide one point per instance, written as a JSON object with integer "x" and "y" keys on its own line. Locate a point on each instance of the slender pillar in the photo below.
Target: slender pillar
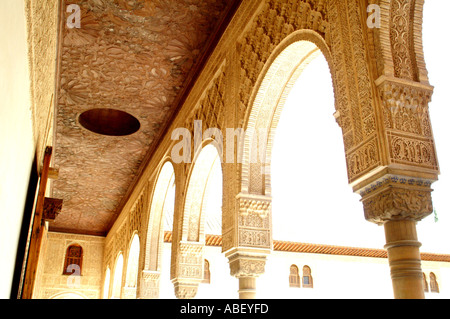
{"x": 404, "y": 259}
{"x": 398, "y": 208}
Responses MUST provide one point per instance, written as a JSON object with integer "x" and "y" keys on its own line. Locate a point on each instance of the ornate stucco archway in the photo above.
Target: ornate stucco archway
{"x": 188, "y": 264}
{"x": 151, "y": 273}
{"x": 381, "y": 100}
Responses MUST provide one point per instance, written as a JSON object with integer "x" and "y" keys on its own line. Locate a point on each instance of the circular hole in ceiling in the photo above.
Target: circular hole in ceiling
{"x": 109, "y": 122}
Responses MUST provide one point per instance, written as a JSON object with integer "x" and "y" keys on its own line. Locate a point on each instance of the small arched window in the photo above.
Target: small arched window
{"x": 294, "y": 277}
{"x": 307, "y": 281}
{"x": 434, "y": 287}
{"x": 73, "y": 260}
{"x": 206, "y": 273}
{"x": 425, "y": 283}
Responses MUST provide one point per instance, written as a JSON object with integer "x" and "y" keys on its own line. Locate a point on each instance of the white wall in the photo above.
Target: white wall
{"x": 16, "y": 134}
{"x": 334, "y": 277}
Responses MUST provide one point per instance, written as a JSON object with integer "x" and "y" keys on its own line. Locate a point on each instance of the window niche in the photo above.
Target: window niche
{"x": 73, "y": 261}
{"x": 294, "y": 277}
{"x": 307, "y": 279}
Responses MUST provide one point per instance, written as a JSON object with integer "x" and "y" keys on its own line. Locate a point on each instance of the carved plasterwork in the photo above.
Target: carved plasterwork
{"x": 255, "y": 205}
{"x": 42, "y": 30}
{"x": 406, "y": 107}
{"x": 395, "y": 181}
{"x": 407, "y": 122}
{"x": 276, "y": 20}
{"x": 254, "y": 221}
{"x": 398, "y": 41}
{"x": 185, "y": 290}
{"x": 363, "y": 159}
{"x": 190, "y": 261}
{"x": 188, "y": 269}
{"x": 149, "y": 285}
{"x": 401, "y": 39}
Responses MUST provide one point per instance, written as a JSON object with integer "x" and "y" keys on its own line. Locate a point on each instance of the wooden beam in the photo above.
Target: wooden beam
{"x": 53, "y": 173}
{"x": 37, "y": 230}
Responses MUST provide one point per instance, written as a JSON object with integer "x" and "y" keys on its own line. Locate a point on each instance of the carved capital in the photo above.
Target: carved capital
{"x": 184, "y": 290}
{"x": 149, "y": 285}
{"x": 246, "y": 263}
{"x": 397, "y": 203}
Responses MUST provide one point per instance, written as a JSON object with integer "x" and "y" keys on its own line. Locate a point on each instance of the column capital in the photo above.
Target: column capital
{"x": 184, "y": 290}
{"x": 247, "y": 262}
{"x": 149, "y": 285}
{"x": 393, "y": 201}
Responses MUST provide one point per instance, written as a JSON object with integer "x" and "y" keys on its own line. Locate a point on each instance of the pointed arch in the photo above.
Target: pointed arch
{"x": 73, "y": 261}
{"x": 132, "y": 266}
{"x": 116, "y": 292}
{"x": 434, "y": 287}
{"x": 188, "y": 261}
{"x": 207, "y": 163}
{"x": 160, "y": 216}
{"x": 294, "y": 277}
{"x": 283, "y": 68}
{"x": 106, "y": 283}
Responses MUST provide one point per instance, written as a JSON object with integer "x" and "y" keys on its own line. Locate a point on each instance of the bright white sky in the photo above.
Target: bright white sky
{"x": 312, "y": 201}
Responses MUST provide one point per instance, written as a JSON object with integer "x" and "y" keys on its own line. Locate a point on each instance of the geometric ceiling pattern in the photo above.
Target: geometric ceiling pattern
{"x": 133, "y": 56}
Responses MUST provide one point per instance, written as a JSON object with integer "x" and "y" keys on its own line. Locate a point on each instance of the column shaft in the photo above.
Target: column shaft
{"x": 404, "y": 259}
{"x": 247, "y": 287}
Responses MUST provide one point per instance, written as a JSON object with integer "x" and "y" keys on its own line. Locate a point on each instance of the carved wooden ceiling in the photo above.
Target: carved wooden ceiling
{"x": 137, "y": 56}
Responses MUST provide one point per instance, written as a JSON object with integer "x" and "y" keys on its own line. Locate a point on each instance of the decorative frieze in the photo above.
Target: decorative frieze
{"x": 405, "y": 106}
{"x": 254, "y": 220}
{"x": 190, "y": 261}
{"x": 412, "y": 151}
{"x": 254, "y": 205}
{"x": 402, "y": 38}
{"x": 394, "y": 181}
{"x": 363, "y": 159}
